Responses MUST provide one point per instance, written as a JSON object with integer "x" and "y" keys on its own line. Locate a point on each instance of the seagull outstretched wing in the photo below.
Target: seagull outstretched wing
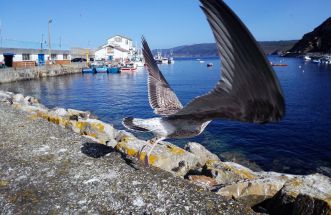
{"x": 161, "y": 97}
{"x": 248, "y": 89}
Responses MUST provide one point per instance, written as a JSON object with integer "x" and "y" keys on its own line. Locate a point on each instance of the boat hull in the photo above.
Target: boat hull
{"x": 88, "y": 70}
{"x": 101, "y": 69}
{"x": 113, "y": 70}
{"x": 123, "y": 69}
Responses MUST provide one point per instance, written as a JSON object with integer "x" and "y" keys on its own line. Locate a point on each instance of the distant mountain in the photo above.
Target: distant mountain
{"x": 319, "y": 40}
{"x": 209, "y": 49}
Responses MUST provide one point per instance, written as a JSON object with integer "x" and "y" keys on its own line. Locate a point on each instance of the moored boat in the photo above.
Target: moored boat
{"x": 306, "y": 57}
{"x": 88, "y": 70}
{"x": 279, "y": 64}
{"x": 210, "y": 64}
{"x": 128, "y": 68}
{"x": 171, "y": 60}
{"x": 113, "y": 69}
{"x": 103, "y": 69}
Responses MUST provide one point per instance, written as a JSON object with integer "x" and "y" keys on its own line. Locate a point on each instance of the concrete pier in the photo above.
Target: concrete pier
{"x": 46, "y": 169}
{"x": 11, "y": 74}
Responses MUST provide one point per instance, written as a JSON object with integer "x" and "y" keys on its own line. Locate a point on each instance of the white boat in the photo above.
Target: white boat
{"x": 165, "y": 60}
{"x": 201, "y": 61}
{"x": 160, "y": 59}
{"x": 307, "y": 57}
{"x": 171, "y": 60}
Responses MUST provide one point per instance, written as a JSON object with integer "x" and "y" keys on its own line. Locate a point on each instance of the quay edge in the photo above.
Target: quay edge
{"x": 11, "y": 75}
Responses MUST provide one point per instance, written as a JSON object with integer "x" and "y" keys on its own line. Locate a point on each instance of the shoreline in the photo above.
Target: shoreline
{"x": 195, "y": 163}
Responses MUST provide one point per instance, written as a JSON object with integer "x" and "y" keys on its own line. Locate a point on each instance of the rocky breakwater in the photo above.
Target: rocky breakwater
{"x": 11, "y": 74}
{"x": 266, "y": 192}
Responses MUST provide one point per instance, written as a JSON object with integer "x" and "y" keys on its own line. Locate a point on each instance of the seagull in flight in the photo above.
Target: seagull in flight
{"x": 248, "y": 89}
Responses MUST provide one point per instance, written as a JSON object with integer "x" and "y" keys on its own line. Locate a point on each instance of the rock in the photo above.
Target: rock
{"x": 104, "y": 133}
{"x": 227, "y": 172}
{"x": 306, "y": 195}
{"x": 203, "y": 181}
{"x": 28, "y": 100}
{"x": 239, "y": 158}
{"x": 6, "y": 97}
{"x": 74, "y": 117}
{"x": 319, "y": 40}
{"x": 60, "y": 112}
{"x": 253, "y": 192}
{"x": 18, "y": 98}
{"x": 201, "y": 152}
{"x": 165, "y": 155}
{"x": 78, "y": 113}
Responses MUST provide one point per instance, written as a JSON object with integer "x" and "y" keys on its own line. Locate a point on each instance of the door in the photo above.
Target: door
{"x": 8, "y": 58}
{"x": 41, "y": 59}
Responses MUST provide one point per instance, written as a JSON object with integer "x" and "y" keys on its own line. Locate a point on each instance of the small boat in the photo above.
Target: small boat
{"x": 210, "y": 64}
{"x": 88, "y": 70}
{"x": 307, "y": 57}
{"x": 201, "y": 61}
{"x": 165, "y": 60}
{"x": 279, "y": 64}
{"x": 113, "y": 69}
{"x": 316, "y": 61}
{"x": 103, "y": 69}
{"x": 171, "y": 60}
{"x": 128, "y": 68}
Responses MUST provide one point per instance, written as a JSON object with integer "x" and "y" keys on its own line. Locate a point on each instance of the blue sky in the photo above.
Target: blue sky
{"x": 165, "y": 23}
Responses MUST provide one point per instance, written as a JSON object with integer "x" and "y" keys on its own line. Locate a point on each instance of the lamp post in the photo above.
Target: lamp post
{"x": 0, "y": 33}
{"x": 49, "y": 39}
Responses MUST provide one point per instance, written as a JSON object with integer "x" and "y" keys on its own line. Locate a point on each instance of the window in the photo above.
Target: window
{"x": 126, "y": 42}
{"x": 25, "y": 56}
{"x": 53, "y": 56}
{"x": 118, "y": 39}
{"x": 65, "y": 56}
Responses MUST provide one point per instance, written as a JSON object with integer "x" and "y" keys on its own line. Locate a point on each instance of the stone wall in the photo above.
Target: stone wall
{"x": 11, "y": 74}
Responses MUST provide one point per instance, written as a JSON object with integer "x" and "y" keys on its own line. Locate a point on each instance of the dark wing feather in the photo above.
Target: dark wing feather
{"x": 161, "y": 97}
{"x": 248, "y": 89}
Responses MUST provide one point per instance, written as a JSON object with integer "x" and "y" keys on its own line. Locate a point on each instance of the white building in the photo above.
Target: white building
{"x": 119, "y": 48}
{"x": 11, "y": 56}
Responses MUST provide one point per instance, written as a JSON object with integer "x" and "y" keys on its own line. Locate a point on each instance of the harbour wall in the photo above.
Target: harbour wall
{"x": 10, "y": 74}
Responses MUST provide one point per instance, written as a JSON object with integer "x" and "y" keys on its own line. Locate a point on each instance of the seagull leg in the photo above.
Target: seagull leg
{"x": 157, "y": 140}
{"x": 151, "y": 141}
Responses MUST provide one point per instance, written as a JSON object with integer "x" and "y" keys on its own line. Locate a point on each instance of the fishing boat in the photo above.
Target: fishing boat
{"x": 101, "y": 69}
{"x": 88, "y": 70}
{"x": 128, "y": 68}
{"x": 278, "y": 64}
{"x": 113, "y": 69}
{"x": 171, "y": 60}
{"x": 306, "y": 57}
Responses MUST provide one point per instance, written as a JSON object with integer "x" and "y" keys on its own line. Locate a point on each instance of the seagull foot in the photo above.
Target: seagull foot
{"x": 147, "y": 161}
{"x": 140, "y": 152}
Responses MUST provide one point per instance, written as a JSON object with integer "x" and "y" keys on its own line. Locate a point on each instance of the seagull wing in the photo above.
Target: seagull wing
{"x": 248, "y": 89}
{"x": 161, "y": 97}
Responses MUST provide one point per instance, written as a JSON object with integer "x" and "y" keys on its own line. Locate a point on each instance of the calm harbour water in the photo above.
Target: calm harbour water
{"x": 300, "y": 143}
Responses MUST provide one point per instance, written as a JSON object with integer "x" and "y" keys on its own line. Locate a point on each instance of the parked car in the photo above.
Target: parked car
{"x": 78, "y": 59}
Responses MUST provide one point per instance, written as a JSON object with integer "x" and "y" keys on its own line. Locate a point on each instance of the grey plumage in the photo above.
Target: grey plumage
{"x": 161, "y": 97}
{"x": 248, "y": 89}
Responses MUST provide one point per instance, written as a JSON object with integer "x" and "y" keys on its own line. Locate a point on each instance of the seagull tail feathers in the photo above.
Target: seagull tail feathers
{"x": 129, "y": 123}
